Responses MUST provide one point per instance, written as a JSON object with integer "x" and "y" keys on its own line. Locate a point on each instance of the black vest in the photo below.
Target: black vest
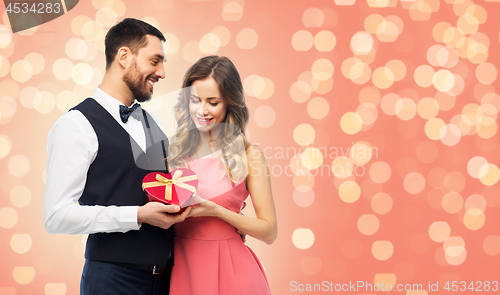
{"x": 115, "y": 179}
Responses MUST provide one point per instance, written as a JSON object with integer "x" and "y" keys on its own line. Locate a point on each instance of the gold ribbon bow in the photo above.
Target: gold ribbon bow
{"x": 176, "y": 179}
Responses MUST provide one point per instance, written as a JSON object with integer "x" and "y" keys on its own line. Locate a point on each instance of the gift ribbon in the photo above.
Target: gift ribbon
{"x": 176, "y": 179}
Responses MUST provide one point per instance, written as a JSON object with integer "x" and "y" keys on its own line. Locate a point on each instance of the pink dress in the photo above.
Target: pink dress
{"x": 210, "y": 257}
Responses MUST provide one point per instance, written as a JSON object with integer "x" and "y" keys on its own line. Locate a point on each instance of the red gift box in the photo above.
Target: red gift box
{"x": 174, "y": 188}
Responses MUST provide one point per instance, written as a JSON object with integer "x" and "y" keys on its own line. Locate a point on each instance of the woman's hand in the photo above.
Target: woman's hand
{"x": 203, "y": 207}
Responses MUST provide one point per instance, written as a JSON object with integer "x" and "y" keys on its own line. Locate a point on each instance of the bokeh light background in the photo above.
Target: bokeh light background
{"x": 378, "y": 119}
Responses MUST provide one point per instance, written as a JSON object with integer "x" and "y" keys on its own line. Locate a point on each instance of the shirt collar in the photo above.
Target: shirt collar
{"x": 111, "y": 104}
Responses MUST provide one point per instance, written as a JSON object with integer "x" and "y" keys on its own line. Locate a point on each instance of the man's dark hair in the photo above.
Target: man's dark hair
{"x": 131, "y": 33}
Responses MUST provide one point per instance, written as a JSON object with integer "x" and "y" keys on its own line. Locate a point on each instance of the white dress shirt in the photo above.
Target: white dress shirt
{"x": 72, "y": 146}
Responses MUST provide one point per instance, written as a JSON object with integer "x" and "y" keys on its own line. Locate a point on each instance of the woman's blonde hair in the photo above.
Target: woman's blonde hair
{"x": 187, "y": 138}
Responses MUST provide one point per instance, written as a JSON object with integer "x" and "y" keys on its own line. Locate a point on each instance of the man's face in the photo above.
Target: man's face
{"x": 146, "y": 69}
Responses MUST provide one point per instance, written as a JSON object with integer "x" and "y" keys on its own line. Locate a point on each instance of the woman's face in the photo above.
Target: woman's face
{"x": 205, "y": 104}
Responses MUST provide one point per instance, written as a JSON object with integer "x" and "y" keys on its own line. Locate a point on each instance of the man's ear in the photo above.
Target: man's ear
{"x": 124, "y": 56}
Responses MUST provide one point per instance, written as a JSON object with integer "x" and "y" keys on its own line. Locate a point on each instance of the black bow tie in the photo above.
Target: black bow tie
{"x": 125, "y": 112}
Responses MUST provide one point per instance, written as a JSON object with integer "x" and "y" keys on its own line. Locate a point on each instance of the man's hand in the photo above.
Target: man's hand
{"x": 161, "y": 215}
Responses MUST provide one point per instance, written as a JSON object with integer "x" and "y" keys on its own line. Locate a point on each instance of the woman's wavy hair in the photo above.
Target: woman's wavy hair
{"x": 187, "y": 138}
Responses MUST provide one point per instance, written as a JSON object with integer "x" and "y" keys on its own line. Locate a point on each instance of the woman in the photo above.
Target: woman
{"x": 210, "y": 257}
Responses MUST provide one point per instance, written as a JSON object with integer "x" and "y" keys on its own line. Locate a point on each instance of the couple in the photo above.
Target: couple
{"x": 93, "y": 182}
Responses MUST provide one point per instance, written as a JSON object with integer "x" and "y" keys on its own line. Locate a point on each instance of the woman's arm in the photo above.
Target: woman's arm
{"x": 264, "y": 227}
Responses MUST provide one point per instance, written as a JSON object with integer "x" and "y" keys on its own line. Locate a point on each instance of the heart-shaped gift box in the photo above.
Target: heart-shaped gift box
{"x": 174, "y": 188}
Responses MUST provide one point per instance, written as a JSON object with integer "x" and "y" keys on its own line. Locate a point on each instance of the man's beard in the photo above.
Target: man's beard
{"x": 138, "y": 87}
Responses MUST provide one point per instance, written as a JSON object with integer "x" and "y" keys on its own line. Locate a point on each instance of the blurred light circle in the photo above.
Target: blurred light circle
{"x": 405, "y": 109}
{"x": 427, "y": 152}
{"x": 5, "y": 36}
{"x": 232, "y": 10}
{"x": 302, "y": 238}
{"x": 76, "y": 48}
{"x": 389, "y": 102}
{"x": 310, "y": 265}
{"x": 370, "y": 94}
{"x": 372, "y": 23}
{"x": 490, "y": 174}
{"x": 414, "y": 183}
{"x": 349, "y": 191}
{"x": 21, "y": 71}
{"x": 209, "y": 43}
{"x": 18, "y": 165}
{"x": 380, "y": 172}
{"x": 467, "y": 24}
{"x": 223, "y": 33}
{"x": 361, "y": 153}
{"x": 318, "y": 108}
{"x": 475, "y": 165}
{"x": 313, "y": 17}
{"x": 21, "y": 243}
{"x": 302, "y": 40}
{"x": 5, "y": 146}
{"x": 361, "y": 43}
{"x": 62, "y": 69}
{"x": 322, "y": 68}
{"x": 300, "y": 91}
{"x": 191, "y": 51}
{"x": 486, "y": 73}
{"x": 65, "y": 100}
{"x": 368, "y": 224}
{"x": 303, "y": 180}
{"x": 383, "y": 78}
{"x": 443, "y": 80}
{"x": 82, "y": 73}
{"x": 424, "y": 76}
{"x": 253, "y": 82}
{"x": 342, "y": 167}
{"x": 8, "y": 217}
{"x": 382, "y": 250}
{"x": 55, "y": 289}
{"x": 304, "y": 134}
{"x": 351, "y": 123}
{"x": 381, "y": 203}
{"x": 486, "y": 127}
{"x": 37, "y": 62}
{"x": 368, "y": 113}
{"x": 310, "y": 79}
{"x": 106, "y": 17}
{"x": 20, "y": 196}
{"x": 4, "y": 66}
{"x": 324, "y": 86}
{"x": 452, "y": 202}
{"x": 23, "y": 275}
{"x": 474, "y": 219}
{"x": 247, "y": 39}
{"x": 428, "y": 108}
{"x": 491, "y": 245}
{"x": 450, "y": 134}
{"x": 265, "y": 88}
{"x": 265, "y": 116}
{"x": 454, "y": 181}
{"x": 439, "y": 231}
{"x": 325, "y": 41}
{"x": 8, "y": 107}
{"x": 46, "y": 102}
{"x": 303, "y": 196}
{"x": 172, "y": 43}
{"x": 398, "y": 68}
{"x": 446, "y": 101}
{"x": 475, "y": 201}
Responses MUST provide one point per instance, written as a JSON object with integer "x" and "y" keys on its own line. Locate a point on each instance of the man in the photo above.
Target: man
{"x": 94, "y": 179}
